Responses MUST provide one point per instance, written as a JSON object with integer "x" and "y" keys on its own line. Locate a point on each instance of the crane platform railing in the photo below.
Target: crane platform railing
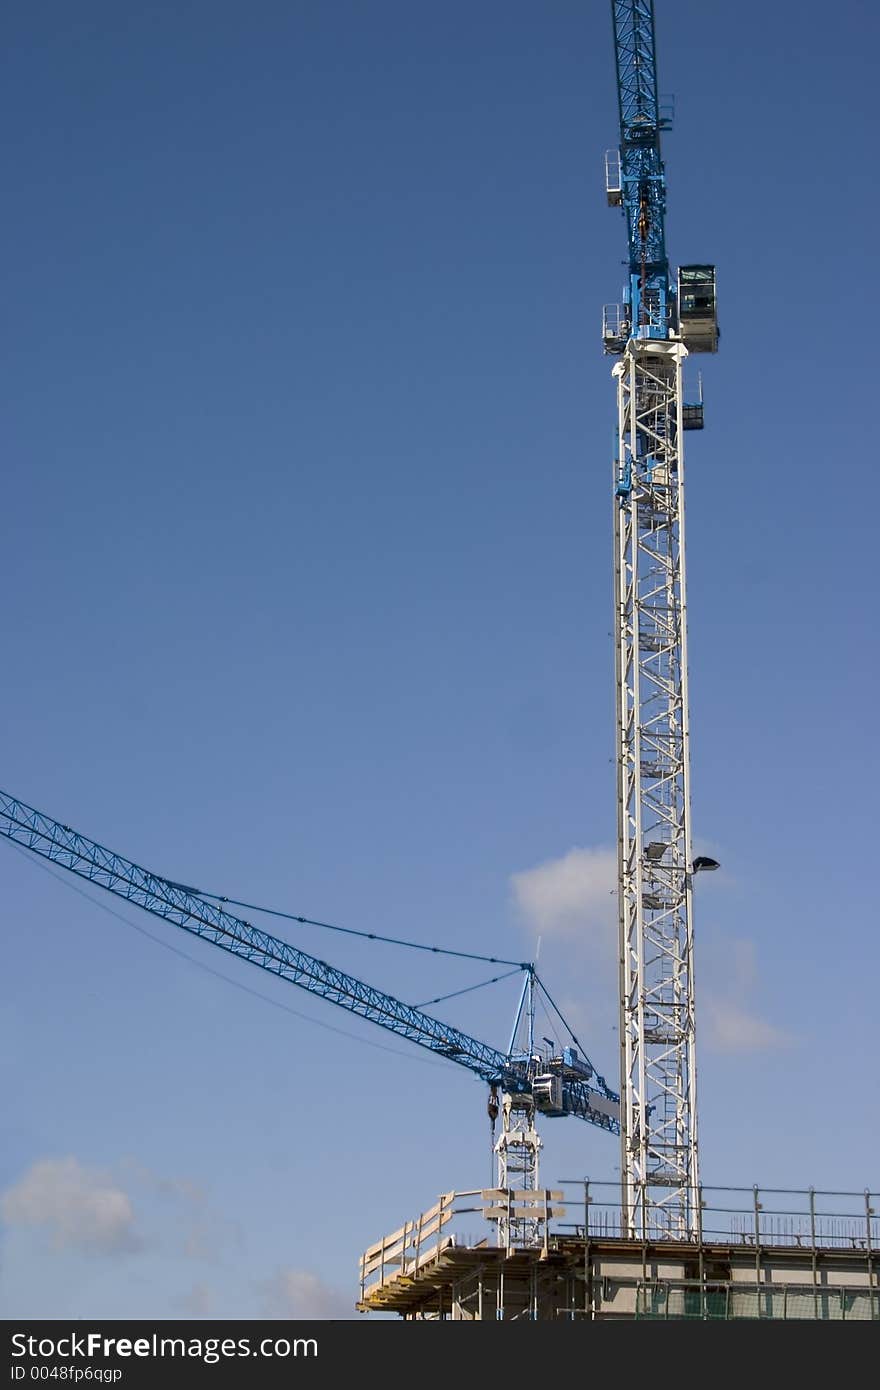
{"x": 407, "y": 1250}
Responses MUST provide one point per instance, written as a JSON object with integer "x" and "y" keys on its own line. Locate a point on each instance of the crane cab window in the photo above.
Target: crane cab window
{"x": 697, "y": 308}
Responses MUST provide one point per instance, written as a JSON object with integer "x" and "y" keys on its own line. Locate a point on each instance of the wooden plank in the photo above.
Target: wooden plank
{"x": 445, "y": 1201}
{"x": 386, "y": 1241}
{"x": 430, "y": 1228}
{"x": 520, "y": 1194}
{"x": 386, "y": 1255}
{"x": 377, "y": 1262}
{"x": 397, "y": 1253}
{"x": 427, "y": 1255}
{"x": 389, "y": 1254}
{"x": 520, "y": 1213}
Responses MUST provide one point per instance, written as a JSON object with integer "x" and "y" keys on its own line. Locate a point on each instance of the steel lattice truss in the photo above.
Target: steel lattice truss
{"x": 182, "y": 906}
{"x": 640, "y": 125}
{"x": 658, "y": 1075}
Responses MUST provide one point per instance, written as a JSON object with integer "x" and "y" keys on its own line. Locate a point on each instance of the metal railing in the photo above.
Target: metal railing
{"x": 613, "y": 181}
{"x": 748, "y": 1219}
{"x": 615, "y": 326}
{"x": 810, "y": 1218}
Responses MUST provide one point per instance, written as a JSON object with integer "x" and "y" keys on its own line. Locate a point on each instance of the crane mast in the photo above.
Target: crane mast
{"x": 652, "y": 331}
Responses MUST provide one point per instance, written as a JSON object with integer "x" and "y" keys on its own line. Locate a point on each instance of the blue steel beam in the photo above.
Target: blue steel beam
{"x": 182, "y": 906}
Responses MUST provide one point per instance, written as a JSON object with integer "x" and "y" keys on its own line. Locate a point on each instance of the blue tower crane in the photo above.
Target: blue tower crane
{"x": 564, "y": 1084}
{"x": 652, "y": 332}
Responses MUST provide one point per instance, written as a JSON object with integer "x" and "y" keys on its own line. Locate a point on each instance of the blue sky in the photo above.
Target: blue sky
{"x": 307, "y": 552}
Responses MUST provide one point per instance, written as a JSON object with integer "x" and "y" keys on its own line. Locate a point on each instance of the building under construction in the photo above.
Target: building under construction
{"x": 756, "y": 1254}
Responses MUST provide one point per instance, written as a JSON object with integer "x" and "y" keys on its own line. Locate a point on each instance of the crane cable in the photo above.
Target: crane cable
{"x": 468, "y": 989}
{"x": 218, "y": 974}
{"x": 350, "y": 931}
{"x": 518, "y": 966}
{"x": 568, "y": 1028}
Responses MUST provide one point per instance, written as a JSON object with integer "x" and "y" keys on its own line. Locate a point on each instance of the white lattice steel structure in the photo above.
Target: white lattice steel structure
{"x": 659, "y": 1165}
{"x": 517, "y": 1152}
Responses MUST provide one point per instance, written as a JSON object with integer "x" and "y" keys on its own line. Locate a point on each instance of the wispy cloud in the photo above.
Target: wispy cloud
{"x": 733, "y": 1029}
{"x": 725, "y": 1004}
{"x": 92, "y": 1211}
{"x": 572, "y": 898}
{"x": 571, "y": 902}
{"x": 205, "y": 1234}
{"x": 298, "y": 1293}
{"x": 82, "y": 1209}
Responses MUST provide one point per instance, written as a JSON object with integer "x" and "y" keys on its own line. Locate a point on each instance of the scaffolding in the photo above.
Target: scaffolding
{"x": 757, "y": 1253}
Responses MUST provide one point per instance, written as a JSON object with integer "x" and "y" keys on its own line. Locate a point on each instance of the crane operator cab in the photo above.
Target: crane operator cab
{"x": 547, "y": 1093}
{"x": 548, "y": 1090}
{"x": 698, "y": 308}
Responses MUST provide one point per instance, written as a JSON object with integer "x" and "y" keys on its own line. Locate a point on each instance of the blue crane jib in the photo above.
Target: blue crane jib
{"x": 653, "y": 305}
{"x": 560, "y": 1085}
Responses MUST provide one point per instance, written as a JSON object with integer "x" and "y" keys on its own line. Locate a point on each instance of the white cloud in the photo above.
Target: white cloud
{"x": 727, "y": 968}
{"x": 743, "y": 963}
{"x": 81, "y": 1208}
{"x": 732, "y": 1028}
{"x": 572, "y": 898}
{"x": 204, "y": 1233}
{"x": 571, "y": 902}
{"x": 297, "y": 1293}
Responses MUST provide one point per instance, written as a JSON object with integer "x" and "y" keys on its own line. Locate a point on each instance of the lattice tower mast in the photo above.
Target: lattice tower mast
{"x": 652, "y": 331}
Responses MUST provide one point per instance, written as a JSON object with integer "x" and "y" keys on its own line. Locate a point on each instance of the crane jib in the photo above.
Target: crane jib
{"x": 642, "y": 179}
{"x": 176, "y": 903}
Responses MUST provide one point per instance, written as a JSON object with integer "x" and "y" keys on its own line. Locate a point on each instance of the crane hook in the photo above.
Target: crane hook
{"x": 644, "y": 219}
